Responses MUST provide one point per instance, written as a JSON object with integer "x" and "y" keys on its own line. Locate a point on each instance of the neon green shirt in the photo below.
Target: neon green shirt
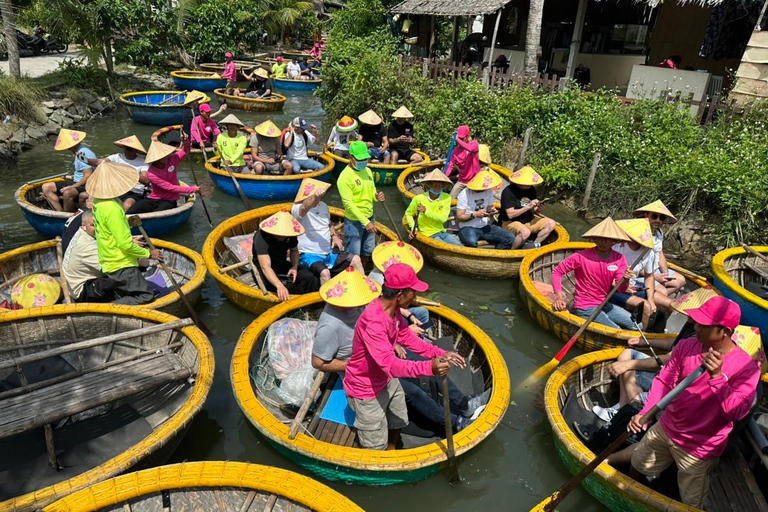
{"x": 117, "y": 249}
{"x": 232, "y": 148}
{"x": 431, "y": 221}
{"x": 279, "y": 70}
{"x": 358, "y": 192}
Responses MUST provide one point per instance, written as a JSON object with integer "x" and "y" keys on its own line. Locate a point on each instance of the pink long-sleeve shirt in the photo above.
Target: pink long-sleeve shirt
{"x": 701, "y": 417}
{"x": 204, "y": 131}
{"x": 165, "y": 180}
{"x": 465, "y": 156}
{"x": 595, "y": 276}
{"x": 373, "y": 362}
{"x": 230, "y": 71}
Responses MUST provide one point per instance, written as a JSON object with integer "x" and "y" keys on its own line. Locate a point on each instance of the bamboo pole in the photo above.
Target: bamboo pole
{"x": 305, "y": 405}
{"x": 578, "y": 29}
{"x": 591, "y": 180}
{"x": 493, "y": 44}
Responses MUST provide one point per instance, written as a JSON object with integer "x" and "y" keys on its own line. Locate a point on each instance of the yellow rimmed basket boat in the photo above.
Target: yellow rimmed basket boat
{"x": 207, "y": 487}
{"x": 105, "y": 388}
{"x": 585, "y": 381}
{"x": 189, "y": 80}
{"x": 240, "y": 65}
{"x": 238, "y": 283}
{"x": 382, "y": 174}
{"x": 187, "y": 267}
{"x": 271, "y": 104}
{"x": 331, "y": 450}
{"x": 538, "y": 265}
{"x": 741, "y": 276}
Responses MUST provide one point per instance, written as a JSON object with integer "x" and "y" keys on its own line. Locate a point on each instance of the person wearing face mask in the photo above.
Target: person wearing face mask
{"x": 358, "y": 192}
{"x": 433, "y": 207}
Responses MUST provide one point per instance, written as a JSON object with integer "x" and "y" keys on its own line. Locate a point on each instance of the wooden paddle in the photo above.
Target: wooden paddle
{"x": 554, "y": 499}
{"x": 453, "y": 470}
{"x": 194, "y": 177}
{"x": 415, "y": 225}
{"x": 172, "y": 97}
{"x": 392, "y": 220}
{"x": 305, "y": 405}
{"x": 243, "y": 197}
{"x": 755, "y": 253}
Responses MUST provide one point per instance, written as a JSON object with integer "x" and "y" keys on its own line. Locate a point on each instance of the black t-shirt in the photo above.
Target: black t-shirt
{"x": 264, "y": 243}
{"x": 396, "y": 130}
{"x": 374, "y": 134}
{"x": 259, "y": 86}
{"x": 186, "y": 119}
{"x": 516, "y": 197}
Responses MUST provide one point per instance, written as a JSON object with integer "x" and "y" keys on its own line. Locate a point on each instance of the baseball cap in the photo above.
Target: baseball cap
{"x": 228, "y": 54}
{"x": 205, "y": 107}
{"x": 463, "y": 131}
{"x": 401, "y": 276}
{"x": 717, "y": 311}
{"x": 359, "y": 150}
{"x": 299, "y": 122}
{"x": 279, "y": 58}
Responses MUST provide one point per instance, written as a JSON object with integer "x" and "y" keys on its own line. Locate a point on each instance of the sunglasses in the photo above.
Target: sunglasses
{"x": 656, "y": 216}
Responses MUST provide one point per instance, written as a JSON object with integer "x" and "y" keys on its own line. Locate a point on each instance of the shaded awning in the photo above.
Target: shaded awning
{"x": 448, "y": 7}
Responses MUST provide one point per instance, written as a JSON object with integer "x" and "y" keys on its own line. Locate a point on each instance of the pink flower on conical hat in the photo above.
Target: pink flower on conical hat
{"x": 75, "y": 136}
{"x": 269, "y": 222}
{"x": 309, "y": 189}
{"x": 391, "y": 261}
{"x": 371, "y": 285}
{"x": 58, "y": 141}
{"x": 645, "y": 236}
{"x": 337, "y": 291}
{"x": 415, "y": 253}
{"x": 536, "y": 178}
{"x": 296, "y": 226}
{"x": 487, "y": 181}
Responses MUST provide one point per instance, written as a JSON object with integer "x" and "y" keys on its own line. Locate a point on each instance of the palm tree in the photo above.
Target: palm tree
{"x": 533, "y": 36}
{"x": 11, "y": 43}
{"x": 281, "y": 15}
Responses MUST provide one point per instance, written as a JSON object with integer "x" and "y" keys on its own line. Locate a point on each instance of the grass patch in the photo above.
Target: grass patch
{"x": 20, "y": 98}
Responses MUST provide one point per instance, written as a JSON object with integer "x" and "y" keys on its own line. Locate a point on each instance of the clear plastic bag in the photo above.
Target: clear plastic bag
{"x": 289, "y": 341}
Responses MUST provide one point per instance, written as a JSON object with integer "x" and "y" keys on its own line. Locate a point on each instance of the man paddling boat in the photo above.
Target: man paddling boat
{"x": 230, "y": 72}
{"x": 163, "y": 170}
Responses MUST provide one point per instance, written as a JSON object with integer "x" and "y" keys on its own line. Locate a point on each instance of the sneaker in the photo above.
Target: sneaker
{"x": 461, "y": 424}
{"x": 531, "y": 245}
{"x": 475, "y": 402}
{"x": 604, "y": 413}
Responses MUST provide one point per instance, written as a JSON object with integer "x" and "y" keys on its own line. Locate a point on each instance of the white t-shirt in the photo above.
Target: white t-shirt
{"x": 340, "y": 140}
{"x": 294, "y": 70}
{"x": 646, "y": 264}
{"x": 137, "y": 163}
{"x": 473, "y": 201}
{"x": 658, "y": 243}
{"x": 317, "y": 229}
{"x": 81, "y": 262}
{"x": 298, "y": 149}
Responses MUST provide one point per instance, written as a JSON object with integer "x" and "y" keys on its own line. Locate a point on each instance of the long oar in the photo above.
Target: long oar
{"x": 194, "y": 177}
{"x": 453, "y": 470}
{"x": 647, "y": 343}
{"x": 392, "y": 220}
{"x": 755, "y": 253}
{"x": 415, "y": 225}
{"x": 554, "y": 499}
{"x": 243, "y": 197}
{"x": 305, "y": 405}
{"x": 450, "y": 152}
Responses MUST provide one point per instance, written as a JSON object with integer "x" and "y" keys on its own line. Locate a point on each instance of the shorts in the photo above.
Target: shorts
{"x": 231, "y": 84}
{"x": 336, "y": 263}
{"x": 68, "y": 183}
{"x": 357, "y": 240}
{"x": 376, "y": 416}
{"x": 240, "y": 169}
{"x": 642, "y": 378}
{"x": 132, "y": 195}
{"x": 404, "y": 154}
{"x": 275, "y": 168}
{"x": 378, "y": 154}
{"x": 516, "y": 226}
{"x": 620, "y": 299}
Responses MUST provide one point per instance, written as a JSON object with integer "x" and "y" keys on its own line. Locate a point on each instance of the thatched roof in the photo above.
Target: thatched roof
{"x": 449, "y": 7}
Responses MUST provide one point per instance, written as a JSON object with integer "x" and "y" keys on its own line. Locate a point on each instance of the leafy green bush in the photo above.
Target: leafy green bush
{"x": 73, "y": 74}
{"x": 150, "y": 36}
{"x": 218, "y": 26}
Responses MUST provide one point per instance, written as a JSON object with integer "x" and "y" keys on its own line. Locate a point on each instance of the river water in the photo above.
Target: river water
{"x": 512, "y": 470}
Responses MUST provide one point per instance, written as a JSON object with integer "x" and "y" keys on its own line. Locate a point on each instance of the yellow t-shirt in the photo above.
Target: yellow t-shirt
{"x": 358, "y": 192}
{"x": 431, "y": 221}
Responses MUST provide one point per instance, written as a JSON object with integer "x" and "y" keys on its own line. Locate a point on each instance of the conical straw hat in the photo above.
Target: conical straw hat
{"x": 282, "y": 224}
{"x": 193, "y": 96}
{"x": 36, "y": 290}
{"x": 639, "y": 230}
{"x": 68, "y": 139}
{"x": 693, "y": 300}
{"x": 484, "y": 154}
{"x": 215, "y": 76}
{"x": 484, "y": 180}
{"x": 350, "y": 289}
{"x": 132, "y": 142}
{"x": 111, "y": 180}
{"x": 389, "y": 253}
{"x": 346, "y": 124}
{"x": 436, "y": 175}
{"x": 231, "y": 119}
{"x": 261, "y": 72}
{"x": 657, "y": 207}
{"x": 308, "y": 187}
{"x": 402, "y": 113}
{"x": 268, "y": 129}
{"x": 526, "y": 176}
{"x": 748, "y": 338}
{"x": 607, "y": 229}
{"x": 370, "y": 117}
{"x": 158, "y": 150}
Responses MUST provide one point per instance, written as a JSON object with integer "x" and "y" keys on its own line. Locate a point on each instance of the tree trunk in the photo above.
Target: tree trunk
{"x": 11, "y": 43}
{"x": 108, "y": 60}
{"x": 533, "y": 36}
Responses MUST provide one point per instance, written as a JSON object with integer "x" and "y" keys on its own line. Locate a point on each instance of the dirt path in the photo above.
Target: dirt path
{"x": 36, "y": 66}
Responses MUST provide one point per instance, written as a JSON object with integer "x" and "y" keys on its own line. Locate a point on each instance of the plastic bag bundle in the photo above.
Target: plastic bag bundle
{"x": 289, "y": 341}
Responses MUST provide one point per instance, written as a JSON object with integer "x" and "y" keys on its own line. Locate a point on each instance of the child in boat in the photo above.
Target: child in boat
{"x": 475, "y": 211}
{"x": 70, "y": 192}
{"x": 658, "y": 214}
{"x": 519, "y": 204}
{"x": 163, "y": 163}
{"x": 231, "y": 145}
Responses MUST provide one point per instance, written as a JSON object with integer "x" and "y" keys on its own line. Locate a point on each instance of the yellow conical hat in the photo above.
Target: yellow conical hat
{"x": 657, "y": 207}
{"x": 436, "y": 175}
{"x": 748, "y": 338}
{"x": 36, "y": 291}
{"x": 132, "y": 142}
{"x": 350, "y": 289}
{"x": 158, "y": 150}
{"x": 193, "y": 96}
{"x": 607, "y": 229}
{"x": 526, "y": 176}
{"x": 370, "y": 117}
{"x": 639, "y": 230}
{"x": 268, "y": 129}
{"x": 262, "y": 73}
{"x": 484, "y": 180}
{"x": 402, "y": 113}
{"x": 215, "y": 76}
{"x": 484, "y": 154}
{"x": 282, "y": 224}
{"x": 389, "y": 253}
{"x": 231, "y": 119}
{"x": 308, "y": 187}
{"x": 68, "y": 139}
{"x": 111, "y": 180}
{"x": 693, "y": 300}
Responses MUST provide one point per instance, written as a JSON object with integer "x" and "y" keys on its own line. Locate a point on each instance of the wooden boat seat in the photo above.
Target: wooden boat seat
{"x": 330, "y": 431}
{"x": 733, "y": 487}
{"x": 50, "y": 404}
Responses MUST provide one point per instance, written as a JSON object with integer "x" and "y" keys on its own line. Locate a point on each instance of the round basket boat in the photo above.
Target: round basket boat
{"x": 49, "y": 222}
{"x": 569, "y": 396}
{"x": 332, "y": 451}
{"x": 272, "y": 104}
{"x": 208, "y": 486}
{"x": 108, "y": 400}
{"x": 187, "y": 266}
{"x": 240, "y": 65}
{"x": 171, "y": 135}
{"x": 159, "y": 108}
{"x": 238, "y": 283}
{"x": 741, "y": 276}
{"x": 382, "y": 174}
{"x": 266, "y": 187}
{"x": 538, "y": 265}
{"x": 197, "y": 80}
{"x": 288, "y": 84}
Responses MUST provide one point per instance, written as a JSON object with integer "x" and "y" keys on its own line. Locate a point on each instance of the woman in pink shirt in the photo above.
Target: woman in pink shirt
{"x": 230, "y": 72}
{"x": 465, "y": 159}
{"x": 204, "y": 129}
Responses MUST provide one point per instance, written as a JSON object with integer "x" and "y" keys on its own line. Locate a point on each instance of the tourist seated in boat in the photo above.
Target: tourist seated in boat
{"x": 693, "y": 431}
{"x": 373, "y": 132}
{"x": 64, "y": 195}
{"x": 357, "y": 189}
{"x": 371, "y": 380}
{"x": 464, "y": 160}
{"x": 596, "y": 271}
{"x": 316, "y": 51}
{"x": 293, "y": 70}
{"x": 296, "y": 141}
{"x": 277, "y": 237}
{"x": 431, "y": 209}
{"x": 204, "y": 129}
{"x": 308, "y": 69}
{"x": 231, "y": 144}
{"x": 519, "y": 205}
{"x": 260, "y": 85}
{"x": 163, "y": 170}
{"x": 658, "y": 214}
{"x": 267, "y": 151}
{"x": 119, "y": 253}
{"x": 475, "y": 211}
{"x": 192, "y": 102}
{"x": 133, "y": 154}
{"x": 320, "y": 248}
{"x": 341, "y": 135}
{"x": 230, "y": 72}
{"x": 279, "y": 67}
{"x": 400, "y": 134}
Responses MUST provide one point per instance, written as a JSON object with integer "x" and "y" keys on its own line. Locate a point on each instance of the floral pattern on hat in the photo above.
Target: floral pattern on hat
{"x": 296, "y": 226}
{"x": 269, "y": 222}
{"x": 75, "y": 136}
{"x": 337, "y": 291}
{"x": 415, "y": 252}
{"x": 372, "y": 285}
